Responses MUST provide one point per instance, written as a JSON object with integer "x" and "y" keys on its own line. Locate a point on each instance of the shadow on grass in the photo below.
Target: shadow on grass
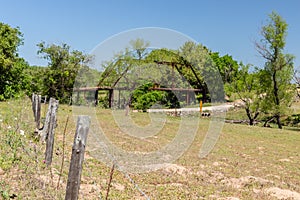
{"x": 290, "y": 128}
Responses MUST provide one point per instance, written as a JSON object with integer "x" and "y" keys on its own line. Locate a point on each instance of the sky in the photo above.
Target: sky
{"x": 226, "y": 26}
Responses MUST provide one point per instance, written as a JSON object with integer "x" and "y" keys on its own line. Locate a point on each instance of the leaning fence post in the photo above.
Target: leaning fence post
{"x": 48, "y": 131}
{"x": 82, "y": 129}
{"x": 36, "y": 108}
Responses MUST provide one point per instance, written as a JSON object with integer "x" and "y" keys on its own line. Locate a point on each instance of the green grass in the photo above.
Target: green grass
{"x": 241, "y": 151}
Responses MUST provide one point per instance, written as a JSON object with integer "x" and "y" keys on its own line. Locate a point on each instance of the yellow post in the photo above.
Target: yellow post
{"x": 200, "y": 106}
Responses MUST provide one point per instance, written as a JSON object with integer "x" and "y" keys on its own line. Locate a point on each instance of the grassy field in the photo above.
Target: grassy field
{"x": 246, "y": 163}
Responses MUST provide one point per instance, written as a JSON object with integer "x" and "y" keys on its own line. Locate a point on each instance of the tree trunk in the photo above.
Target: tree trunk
{"x": 267, "y": 121}
{"x": 277, "y": 102}
{"x": 251, "y": 120}
{"x": 278, "y": 121}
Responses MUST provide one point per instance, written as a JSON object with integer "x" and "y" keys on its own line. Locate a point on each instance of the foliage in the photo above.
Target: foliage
{"x": 278, "y": 70}
{"x": 64, "y": 65}
{"x": 117, "y": 69}
{"x": 88, "y": 77}
{"x": 143, "y": 98}
{"x": 296, "y": 80}
{"x": 188, "y": 67}
{"x": 207, "y": 76}
{"x": 12, "y": 79}
{"x": 36, "y": 76}
{"x": 293, "y": 120}
{"x": 194, "y": 55}
{"x": 138, "y": 49}
{"x": 228, "y": 67}
{"x": 248, "y": 88}
{"x": 165, "y": 68}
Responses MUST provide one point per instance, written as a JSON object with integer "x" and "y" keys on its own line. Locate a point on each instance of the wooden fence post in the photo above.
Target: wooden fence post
{"x": 48, "y": 131}
{"x": 36, "y": 108}
{"x": 82, "y": 129}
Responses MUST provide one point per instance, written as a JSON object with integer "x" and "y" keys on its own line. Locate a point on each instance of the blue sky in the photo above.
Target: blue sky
{"x": 227, "y": 26}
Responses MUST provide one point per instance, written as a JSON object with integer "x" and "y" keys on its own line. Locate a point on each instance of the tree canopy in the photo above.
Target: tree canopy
{"x": 64, "y": 65}
{"x": 278, "y": 69}
{"x": 228, "y": 67}
{"x": 247, "y": 85}
{"x": 12, "y": 79}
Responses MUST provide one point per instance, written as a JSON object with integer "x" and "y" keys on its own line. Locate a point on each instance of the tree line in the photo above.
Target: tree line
{"x": 265, "y": 90}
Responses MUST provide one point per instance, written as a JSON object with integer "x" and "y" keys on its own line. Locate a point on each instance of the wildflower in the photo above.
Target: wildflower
{"x": 22, "y": 132}
{"x": 9, "y": 127}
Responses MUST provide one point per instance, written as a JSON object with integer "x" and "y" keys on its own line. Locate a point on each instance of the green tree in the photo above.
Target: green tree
{"x": 12, "y": 78}
{"x": 228, "y": 67}
{"x": 183, "y": 68}
{"x": 138, "y": 48}
{"x": 123, "y": 62}
{"x": 64, "y": 65}
{"x": 143, "y": 98}
{"x": 201, "y": 71}
{"x": 278, "y": 67}
{"x": 296, "y": 79}
{"x": 194, "y": 55}
{"x": 247, "y": 86}
{"x": 36, "y": 76}
{"x": 164, "y": 65}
